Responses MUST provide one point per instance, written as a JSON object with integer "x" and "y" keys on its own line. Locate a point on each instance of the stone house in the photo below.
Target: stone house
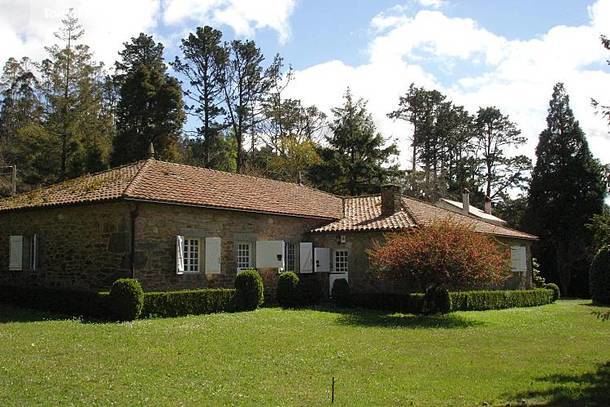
{"x": 173, "y": 226}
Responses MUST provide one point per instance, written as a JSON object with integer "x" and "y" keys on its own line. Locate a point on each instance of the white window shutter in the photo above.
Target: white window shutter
{"x": 270, "y": 254}
{"x": 15, "y": 253}
{"x": 322, "y": 260}
{"x": 518, "y": 257}
{"x": 179, "y": 254}
{"x": 213, "y": 252}
{"x": 305, "y": 257}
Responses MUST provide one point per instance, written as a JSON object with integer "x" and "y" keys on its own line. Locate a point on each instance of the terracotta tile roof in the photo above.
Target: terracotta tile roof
{"x": 159, "y": 181}
{"x": 89, "y": 188}
{"x": 364, "y": 213}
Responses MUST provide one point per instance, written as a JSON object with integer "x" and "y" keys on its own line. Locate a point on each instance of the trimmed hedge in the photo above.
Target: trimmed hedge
{"x": 126, "y": 299}
{"x": 250, "y": 293}
{"x": 191, "y": 302}
{"x": 486, "y": 300}
{"x": 437, "y": 300}
{"x": 460, "y": 301}
{"x": 555, "y": 288}
{"x": 287, "y": 289}
{"x": 58, "y": 300}
{"x": 309, "y": 290}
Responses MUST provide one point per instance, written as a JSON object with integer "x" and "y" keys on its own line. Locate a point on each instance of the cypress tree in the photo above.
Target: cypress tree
{"x": 566, "y": 191}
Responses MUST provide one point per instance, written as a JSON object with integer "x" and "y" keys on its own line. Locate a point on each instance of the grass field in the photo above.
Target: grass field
{"x": 557, "y": 354}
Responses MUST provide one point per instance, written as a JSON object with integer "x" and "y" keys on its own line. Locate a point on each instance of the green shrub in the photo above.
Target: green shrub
{"x": 436, "y": 301}
{"x": 340, "y": 292}
{"x": 250, "y": 292}
{"x": 287, "y": 289}
{"x": 309, "y": 289}
{"x": 59, "y": 300}
{"x": 599, "y": 277}
{"x": 556, "y": 290}
{"x": 187, "y": 302}
{"x": 486, "y": 300}
{"x": 126, "y": 299}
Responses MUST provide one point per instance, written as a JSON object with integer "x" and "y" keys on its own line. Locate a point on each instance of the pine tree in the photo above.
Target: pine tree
{"x": 72, "y": 84}
{"x": 566, "y": 191}
{"x": 356, "y": 161}
{"x": 203, "y": 64}
{"x": 150, "y": 107}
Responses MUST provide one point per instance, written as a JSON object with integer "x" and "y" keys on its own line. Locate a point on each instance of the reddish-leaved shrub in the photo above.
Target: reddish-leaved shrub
{"x": 443, "y": 253}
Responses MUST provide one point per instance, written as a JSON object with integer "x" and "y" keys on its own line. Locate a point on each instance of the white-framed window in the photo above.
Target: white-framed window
{"x": 192, "y": 250}
{"x": 341, "y": 261}
{"x": 244, "y": 255}
{"x": 518, "y": 257}
{"x": 289, "y": 256}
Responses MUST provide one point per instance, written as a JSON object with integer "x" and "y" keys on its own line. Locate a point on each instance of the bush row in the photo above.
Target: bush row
{"x": 126, "y": 301}
{"x": 437, "y": 300}
{"x": 191, "y": 302}
{"x": 486, "y": 300}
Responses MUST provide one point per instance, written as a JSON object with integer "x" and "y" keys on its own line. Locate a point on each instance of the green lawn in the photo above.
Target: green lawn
{"x": 557, "y": 354}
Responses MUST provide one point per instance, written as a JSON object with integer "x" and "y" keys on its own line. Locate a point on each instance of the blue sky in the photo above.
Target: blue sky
{"x": 503, "y": 53}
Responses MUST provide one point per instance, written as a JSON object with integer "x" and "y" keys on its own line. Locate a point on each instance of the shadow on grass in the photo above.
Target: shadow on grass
{"x": 588, "y": 389}
{"x": 384, "y": 319}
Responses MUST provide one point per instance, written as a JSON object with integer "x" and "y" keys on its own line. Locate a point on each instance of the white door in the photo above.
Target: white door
{"x": 322, "y": 260}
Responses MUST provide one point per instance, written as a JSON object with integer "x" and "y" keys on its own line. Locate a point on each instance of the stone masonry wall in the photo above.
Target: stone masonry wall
{"x": 361, "y": 279}
{"x": 82, "y": 247}
{"x": 158, "y": 225}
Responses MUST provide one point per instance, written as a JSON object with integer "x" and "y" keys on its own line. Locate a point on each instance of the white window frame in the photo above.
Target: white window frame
{"x": 241, "y": 258}
{"x": 290, "y": 256}
{"x": 192, "y": 254}
{"x": 341, "y": 265}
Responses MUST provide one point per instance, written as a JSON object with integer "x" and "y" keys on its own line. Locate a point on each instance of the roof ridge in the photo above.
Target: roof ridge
{"x": 258, "y": 177}
{"x": 136, "y": 177}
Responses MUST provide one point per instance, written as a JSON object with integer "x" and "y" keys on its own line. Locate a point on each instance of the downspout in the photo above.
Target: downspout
{"x": 134, "y": 212}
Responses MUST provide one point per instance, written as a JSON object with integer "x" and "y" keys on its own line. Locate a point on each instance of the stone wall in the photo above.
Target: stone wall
{"x": 83, "y": 247}
{"x": 361, "y": 279}
{"x": 158, "y": 225}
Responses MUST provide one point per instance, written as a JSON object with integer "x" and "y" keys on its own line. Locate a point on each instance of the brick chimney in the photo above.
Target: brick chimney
{"x": 465, "y": 201}
{"x": 390, "y": 199}
{"x": 487, "y": 207}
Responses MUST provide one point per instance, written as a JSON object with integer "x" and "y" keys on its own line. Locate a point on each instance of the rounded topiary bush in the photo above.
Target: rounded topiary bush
{"x": 599, "y": 277}
{"x": 287, "y": 289}
{"x": 556, "y": 290}
{"x": 436, "y": 300}
{"x": 126, "y": 299}
{"x": 340, "y": 292}
{"x": 309, "y": 289}
{"x": 249, "y": 293}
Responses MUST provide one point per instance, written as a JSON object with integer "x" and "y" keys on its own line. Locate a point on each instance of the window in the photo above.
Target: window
{"x": 518, "y": 256}
{"x": 243, "y": 255}
{"x": 23, "y": 253}
{"x": 341, "y": 263}
{"x": 289, "y": 256}
{"x": 191, "y": 255}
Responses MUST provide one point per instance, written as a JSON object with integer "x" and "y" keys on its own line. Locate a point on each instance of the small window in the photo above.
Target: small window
{"x": 289, "y": 256}
{"x": 191, "y": 255}
{"x": 244, "y": 251}
{"x": 341, "y": 261}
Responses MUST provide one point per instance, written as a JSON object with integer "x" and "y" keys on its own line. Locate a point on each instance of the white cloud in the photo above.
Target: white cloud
{"x": 432, "y": 3}
{"x": 517, "y": 76}
{"x": 26, "y": 27}
{"x": 243, "y": 16}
